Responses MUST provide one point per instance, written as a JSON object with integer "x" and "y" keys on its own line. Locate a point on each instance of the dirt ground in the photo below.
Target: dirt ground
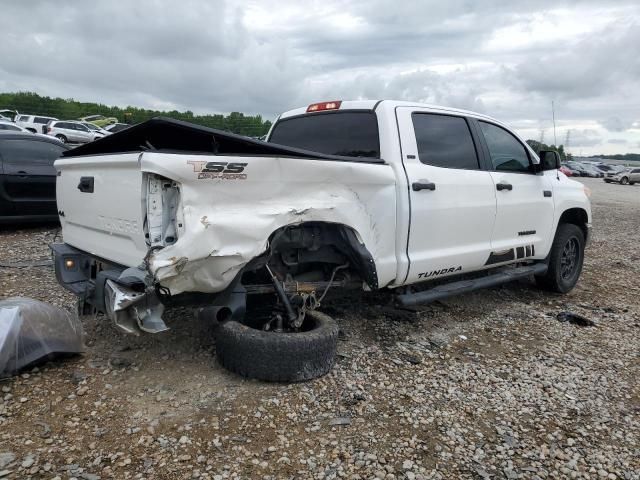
{"x": 488, "y": 385}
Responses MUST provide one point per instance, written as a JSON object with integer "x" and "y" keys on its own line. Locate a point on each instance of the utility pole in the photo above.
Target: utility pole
{"x": 553, "y": 114}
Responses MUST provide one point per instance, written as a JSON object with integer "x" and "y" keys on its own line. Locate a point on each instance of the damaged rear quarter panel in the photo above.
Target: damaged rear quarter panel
{"x": 227, "y": 222}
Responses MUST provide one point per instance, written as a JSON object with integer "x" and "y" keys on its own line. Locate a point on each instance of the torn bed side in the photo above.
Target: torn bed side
{"x": 226, "y": 221}
{"x": 194, "y": 221}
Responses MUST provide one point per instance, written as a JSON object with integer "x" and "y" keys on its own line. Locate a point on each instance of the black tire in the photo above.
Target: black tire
{"x": 279, "y": 357}
{"x": 564, "y": 272}
{"x": 62, "y": 138}
{"x": 624, "y": 181}
{"x": 632, "y": 183}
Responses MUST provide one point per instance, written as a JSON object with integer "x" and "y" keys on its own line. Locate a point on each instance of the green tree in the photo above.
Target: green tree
{"x": 68, "y": 109}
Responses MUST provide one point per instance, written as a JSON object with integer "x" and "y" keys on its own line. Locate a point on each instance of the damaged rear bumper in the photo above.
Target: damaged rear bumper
{"x": 128, "y": 296}
{"x": 121, "y": 293}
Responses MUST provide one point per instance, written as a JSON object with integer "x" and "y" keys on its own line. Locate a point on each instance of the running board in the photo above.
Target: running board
{"x": 464, "y": 286}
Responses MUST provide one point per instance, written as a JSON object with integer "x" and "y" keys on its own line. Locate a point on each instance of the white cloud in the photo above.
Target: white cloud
{"x": 505, "y": 58}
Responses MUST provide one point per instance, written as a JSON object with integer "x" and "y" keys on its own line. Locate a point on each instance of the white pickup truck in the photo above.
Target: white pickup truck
{"x": 343, "y": 194}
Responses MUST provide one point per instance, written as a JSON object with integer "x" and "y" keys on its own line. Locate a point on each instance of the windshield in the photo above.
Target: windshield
{"x": 344, "y": 133}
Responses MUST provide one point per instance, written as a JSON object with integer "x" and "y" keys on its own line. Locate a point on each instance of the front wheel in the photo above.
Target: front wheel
{"x": 624, "y": 181}
{"x": 279, "y": 356}
{"x": 565, "y": 260}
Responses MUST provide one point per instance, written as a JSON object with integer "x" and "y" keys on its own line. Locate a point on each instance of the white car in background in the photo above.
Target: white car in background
{"x": 95, "y": 128}
{"x": 72, "y": 131}
{"x": 33, "y": 123}
{"x": 8, "y": 126}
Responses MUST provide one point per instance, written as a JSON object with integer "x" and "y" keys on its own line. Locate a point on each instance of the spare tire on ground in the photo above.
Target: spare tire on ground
{"x": 279, "y": 356}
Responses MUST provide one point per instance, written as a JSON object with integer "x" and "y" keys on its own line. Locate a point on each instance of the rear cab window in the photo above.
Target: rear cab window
{"x": 348, "y": 133}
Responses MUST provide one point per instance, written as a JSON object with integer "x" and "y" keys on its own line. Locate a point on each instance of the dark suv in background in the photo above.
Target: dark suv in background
{"x": 27, "y": 176}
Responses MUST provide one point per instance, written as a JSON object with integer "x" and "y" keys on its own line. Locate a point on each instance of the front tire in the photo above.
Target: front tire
{"x": 624, "y": 181}
{"x": 279, "y": 357}
{"x": 565, "y": 260}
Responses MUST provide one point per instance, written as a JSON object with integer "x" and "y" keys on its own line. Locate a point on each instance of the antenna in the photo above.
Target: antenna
{"x": 542, "y": 135}
{"x": 566, "y": 142}
{"x": 553, "y": 114}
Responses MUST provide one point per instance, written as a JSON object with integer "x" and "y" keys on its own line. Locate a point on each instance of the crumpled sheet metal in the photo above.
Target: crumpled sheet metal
{"x": 228, "y": 222}
{"x": 31, "y": 331}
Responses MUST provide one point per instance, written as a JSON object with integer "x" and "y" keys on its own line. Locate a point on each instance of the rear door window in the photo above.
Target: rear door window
{"x": 344, "y": 133}
{"x": 444, "y": 141}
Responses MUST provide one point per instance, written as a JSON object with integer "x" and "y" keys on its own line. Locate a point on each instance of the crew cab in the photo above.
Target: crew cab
{"x": 343, "y": 194}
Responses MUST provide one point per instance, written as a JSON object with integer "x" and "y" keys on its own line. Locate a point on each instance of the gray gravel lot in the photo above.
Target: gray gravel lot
{"x": 488, "y": 385}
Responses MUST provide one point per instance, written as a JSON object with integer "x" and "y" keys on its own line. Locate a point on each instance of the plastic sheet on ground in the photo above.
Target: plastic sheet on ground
{"x": 32, "y": 331}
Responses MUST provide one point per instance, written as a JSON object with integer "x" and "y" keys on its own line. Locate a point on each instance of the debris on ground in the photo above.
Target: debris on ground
{"x": 575, "y": 319}
{"x": 32, "y": 331}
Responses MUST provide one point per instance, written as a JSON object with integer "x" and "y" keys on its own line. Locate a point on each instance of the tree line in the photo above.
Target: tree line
{"x": 537, "y": 146}
{"x": 69, "y": 109}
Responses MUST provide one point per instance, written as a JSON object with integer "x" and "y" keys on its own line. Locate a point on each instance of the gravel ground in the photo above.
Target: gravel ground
{"x": 488, "y": 385}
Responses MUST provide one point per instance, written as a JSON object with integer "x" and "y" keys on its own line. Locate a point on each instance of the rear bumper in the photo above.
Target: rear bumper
{"x": 126, "y": 295}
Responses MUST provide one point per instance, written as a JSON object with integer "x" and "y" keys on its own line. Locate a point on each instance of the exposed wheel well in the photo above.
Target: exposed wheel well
{"x": 576, "y": 216}
{"x": 312, "y": 250}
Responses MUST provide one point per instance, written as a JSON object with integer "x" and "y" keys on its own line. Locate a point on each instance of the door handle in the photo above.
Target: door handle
{"x": 423, "y": 185}
{"x": 86, "y": 184}
{"x": 504, "y": 186}
{"x": 22, "y": 174}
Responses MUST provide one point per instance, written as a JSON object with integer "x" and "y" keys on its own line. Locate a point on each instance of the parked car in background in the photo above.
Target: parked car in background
{"x": 578, "y": 168}
{"x": 590, "y": 171}
{"x": 8, "y": 115}
{"x": 71, "y": 131}
{"x": 34, "y": 123}
{"x": 594, "y": 171}
{"x": 99, "y": 120}
{"x": 567, "y": 171}
{"x": 116, "y": 127}
{"x": 94, "y": 128}
{"x": 628, "y": 176}
{"x": 8, "y": 125}
{"x": 27, "y": 176}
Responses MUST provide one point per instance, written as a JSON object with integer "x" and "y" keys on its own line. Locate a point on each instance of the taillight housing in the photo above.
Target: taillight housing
{"x": 318, "y": 107}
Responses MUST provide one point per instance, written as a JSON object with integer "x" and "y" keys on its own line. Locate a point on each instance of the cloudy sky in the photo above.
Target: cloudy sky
{"x": 505, "y": 58}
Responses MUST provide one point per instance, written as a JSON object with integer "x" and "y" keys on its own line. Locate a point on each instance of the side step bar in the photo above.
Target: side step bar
{"x": 464, "y": 286}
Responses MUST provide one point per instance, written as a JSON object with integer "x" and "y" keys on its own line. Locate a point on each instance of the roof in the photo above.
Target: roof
{"x": 376, "y": 104}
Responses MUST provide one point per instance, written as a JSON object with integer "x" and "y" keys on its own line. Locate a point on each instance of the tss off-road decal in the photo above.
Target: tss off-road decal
{"x": 223, "y": 170}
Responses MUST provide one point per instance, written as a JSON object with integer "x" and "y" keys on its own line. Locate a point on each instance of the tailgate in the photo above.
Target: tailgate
{"x": 100, "y": 200}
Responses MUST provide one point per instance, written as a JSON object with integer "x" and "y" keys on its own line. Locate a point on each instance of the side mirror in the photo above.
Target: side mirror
{"x": 549, "y": 160}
